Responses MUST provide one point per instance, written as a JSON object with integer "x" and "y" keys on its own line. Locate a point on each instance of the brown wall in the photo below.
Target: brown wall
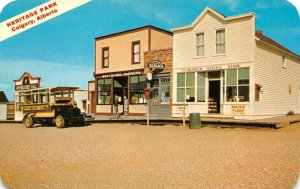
{"x": 120, "y": 48}
{"x": 160, "y": 40}
{"x": 165, "y": 56}
{"x": 120, "y": 51}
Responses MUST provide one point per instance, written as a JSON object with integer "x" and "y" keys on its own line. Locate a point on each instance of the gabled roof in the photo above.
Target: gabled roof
{"x": 28, "y": 75}
{"x": 219, "y": 15}
{"x": 135, "y": 30}
{"x": 3, "y": 97}
{"x": 265, "y": 39}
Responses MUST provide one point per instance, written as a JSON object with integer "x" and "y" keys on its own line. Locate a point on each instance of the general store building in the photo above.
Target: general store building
{"x": 223, "y": 66}
{"x": 120, "y": 68}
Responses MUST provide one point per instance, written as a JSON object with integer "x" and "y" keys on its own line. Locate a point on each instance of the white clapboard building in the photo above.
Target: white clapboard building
{"x": 224, "y": 66}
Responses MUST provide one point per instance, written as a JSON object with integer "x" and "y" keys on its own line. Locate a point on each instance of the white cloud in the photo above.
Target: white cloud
{"x": 146, "y": 9}
{"x": 232, "y": 4}
{"x": 261, "y": 5}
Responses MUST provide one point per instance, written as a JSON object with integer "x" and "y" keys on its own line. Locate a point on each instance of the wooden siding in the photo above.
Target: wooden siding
{"x": 120, "y": 49}
{"x": 239, "y": 39}
{"x": 160, "y": 40}
{"x": 275, "y": 81}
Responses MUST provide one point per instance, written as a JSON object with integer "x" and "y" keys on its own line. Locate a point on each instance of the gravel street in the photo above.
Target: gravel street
{"x": 139, "y": 156}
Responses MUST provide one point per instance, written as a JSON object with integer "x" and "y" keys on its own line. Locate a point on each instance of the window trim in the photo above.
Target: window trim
{"x": 139, "y": 89}
{"x": 105, "y": 49}
{"x": 237, "y": 85}
{"x": 98, "y": 91}
{"x": 195, "y": 87}
{"x": 132, "y": 51}
{"x": 196, "y": 45}
{"x": 216, "y": 42}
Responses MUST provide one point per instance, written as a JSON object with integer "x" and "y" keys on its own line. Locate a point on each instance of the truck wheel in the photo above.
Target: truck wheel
{"x": 59, "y": 121}
{"x": 28, "y": 122}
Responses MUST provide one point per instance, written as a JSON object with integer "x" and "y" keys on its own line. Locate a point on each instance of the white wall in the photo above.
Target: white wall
{"x": 275, "y": 98}
{"x": 80, "y": 95}
{"x": 3, "y": 110}
{"x": 239, "y": 39}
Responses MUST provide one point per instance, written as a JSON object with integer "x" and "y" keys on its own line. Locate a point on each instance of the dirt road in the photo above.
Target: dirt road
{"x": 139, "y": 156}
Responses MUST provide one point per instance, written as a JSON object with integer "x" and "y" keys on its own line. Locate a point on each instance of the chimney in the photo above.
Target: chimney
{"x": 259, "y": 33}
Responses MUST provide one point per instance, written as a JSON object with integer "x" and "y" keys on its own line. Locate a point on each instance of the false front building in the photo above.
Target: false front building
{"x": 223, "y": 66}
{"x": 120, "y": 68}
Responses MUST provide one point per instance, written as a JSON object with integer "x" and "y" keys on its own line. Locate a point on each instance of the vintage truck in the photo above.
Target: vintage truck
{"x": 49, "y": 106}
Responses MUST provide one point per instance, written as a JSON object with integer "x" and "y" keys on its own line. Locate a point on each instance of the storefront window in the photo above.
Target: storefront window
{"x": 104, "y": 91}
{"x": 137, "y": 86}
{"x": 237, "y": 85}
{"x": 190, "y": 87}
{"x": 201, "y": 87}
{"x": 165, "y": 90}
{"x": 186, "y": 87}
{"x": 181, "y": 87}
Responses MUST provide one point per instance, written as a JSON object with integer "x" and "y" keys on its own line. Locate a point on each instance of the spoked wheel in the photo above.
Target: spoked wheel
{"x": 59, "y": 121}
{"x": 28, "y": 122}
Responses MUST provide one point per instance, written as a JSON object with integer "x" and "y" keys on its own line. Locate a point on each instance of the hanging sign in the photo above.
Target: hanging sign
{"x": 155, "y": 64}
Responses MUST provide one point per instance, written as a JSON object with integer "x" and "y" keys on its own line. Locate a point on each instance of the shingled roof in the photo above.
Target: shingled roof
{"x": 3, "y": 97}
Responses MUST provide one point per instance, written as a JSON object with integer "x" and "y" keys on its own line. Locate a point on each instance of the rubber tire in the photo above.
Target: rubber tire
{"x": 59, "y": 121}
{"x": 28, "y": 122}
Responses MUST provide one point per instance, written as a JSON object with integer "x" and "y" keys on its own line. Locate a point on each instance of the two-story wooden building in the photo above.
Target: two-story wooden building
{"x": 120, "y": 68}
{"x": 223, "y": 66}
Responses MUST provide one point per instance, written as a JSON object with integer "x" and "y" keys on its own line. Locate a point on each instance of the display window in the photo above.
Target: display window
{"x": 137, "y": 86}
{"x": 187, "y": 88}
{"x": 104, "y": 91}
{"x": 237, "y": 85}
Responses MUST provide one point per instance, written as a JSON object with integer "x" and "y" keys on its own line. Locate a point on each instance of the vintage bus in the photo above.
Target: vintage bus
{"x": 49, "y": 106}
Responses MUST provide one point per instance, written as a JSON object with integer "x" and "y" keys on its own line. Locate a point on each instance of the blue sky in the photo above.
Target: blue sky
{"x": 61, "y": 51}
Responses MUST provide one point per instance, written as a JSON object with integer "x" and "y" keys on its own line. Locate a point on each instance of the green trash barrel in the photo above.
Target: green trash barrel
{"x": 195, "y": 121}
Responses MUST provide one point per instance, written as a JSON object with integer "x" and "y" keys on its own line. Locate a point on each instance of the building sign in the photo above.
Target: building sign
{"x": 26, "y": 87}
{"x": 215, "y": 68}
{"x": 34, "y": 107}
{"x": 120, "y": 74}
{"x": 155, "y": 64}
{"x": 238, "y": 109}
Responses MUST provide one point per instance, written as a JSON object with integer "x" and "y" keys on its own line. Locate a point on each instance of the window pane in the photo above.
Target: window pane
{"x": 107, "y": 99}
{"x": 137, "y": 57}
{"x": 244, "y": 73}
{"x": 200, "y": 39}
{"x": 231, "y": 93}
{"x": 105, "y": 62}
{"x": 220, "y": 36}
{"x": 105, "y": 53}
{"x": 180, "y": 95}
{"x": 200, "y": 50}
{"x": 190, "y": 94}
{"x": 190, "y": 79}
{"x": 134, "y": 79}
{"x": 200, "y": 94}
{"x": 136, "y": 48}
{"x": 181, "y": 80}
{"x": 231, "y": 77}
{"x": 100, "y": 81}
{"x": 244, "y": 93}
{"x": 201, "y": 79}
